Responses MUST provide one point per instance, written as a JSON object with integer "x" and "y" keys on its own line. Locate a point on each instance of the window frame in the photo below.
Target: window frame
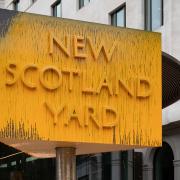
{"x": 54, "y": 8}
{"x": 115, "y": 11}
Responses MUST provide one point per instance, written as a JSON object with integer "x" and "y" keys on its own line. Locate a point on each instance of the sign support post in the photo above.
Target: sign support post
{"x": 65, "y": 163}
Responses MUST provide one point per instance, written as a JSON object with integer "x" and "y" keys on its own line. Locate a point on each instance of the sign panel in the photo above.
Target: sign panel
{"x": 71, "y": 81}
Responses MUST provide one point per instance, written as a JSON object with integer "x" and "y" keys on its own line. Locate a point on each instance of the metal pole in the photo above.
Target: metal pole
{"x": 65, "y": 164}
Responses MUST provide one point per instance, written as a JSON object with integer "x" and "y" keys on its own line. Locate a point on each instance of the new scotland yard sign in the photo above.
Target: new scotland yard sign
{"x": 70, "y": 81}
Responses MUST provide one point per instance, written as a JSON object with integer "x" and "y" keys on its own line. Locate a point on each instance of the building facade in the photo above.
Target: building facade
{"x": 152, "y": 15}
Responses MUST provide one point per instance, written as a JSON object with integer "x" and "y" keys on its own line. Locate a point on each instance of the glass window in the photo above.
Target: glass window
{"x": 56, "y": 9}
{"x": 16, "y": 165}
{"x": 32, "y": 1}
{"x": 153, "y": 14}
{"x": 83, "y": 3}
{"x": 156, "y": 12}
{"x": 124, "y": 165}
{"x": 106, "y": 166}
{"x": 118, "y": 17}
{"x": 16, "y": 5}
{"x": 84, "y": 178}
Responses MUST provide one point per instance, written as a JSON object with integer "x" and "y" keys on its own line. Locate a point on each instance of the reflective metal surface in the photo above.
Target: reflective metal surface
{"x": 65, "y": 164}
